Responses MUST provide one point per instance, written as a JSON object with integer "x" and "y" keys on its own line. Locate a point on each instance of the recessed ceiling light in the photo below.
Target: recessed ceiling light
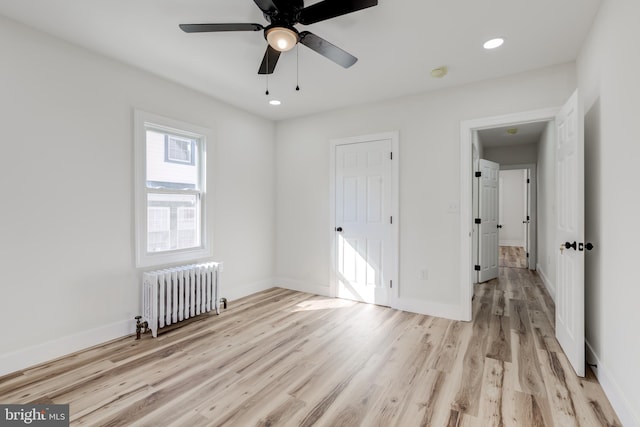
{"x": 493, "y": 43}
{"x": 275, "y": 102}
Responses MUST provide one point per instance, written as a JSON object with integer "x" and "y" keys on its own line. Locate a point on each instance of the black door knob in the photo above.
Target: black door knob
{"x": 499, "y": 226}
{"x": 339, "y": 229}
{"x": 570, "y": 245}
{"x": 588, "y": 246}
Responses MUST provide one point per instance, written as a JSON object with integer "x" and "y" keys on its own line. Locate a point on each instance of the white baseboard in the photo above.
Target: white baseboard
{"x": 47, "y": 351}
{"x": 628, "y": 413}
{"x": 235, "y": 292}
{"x": 516, "y": 243}
{"x": 297, "y": 285}
{"x": 547, "y": 283}
{"x": 414, "y": 306}
{"x": 447, "y": 311}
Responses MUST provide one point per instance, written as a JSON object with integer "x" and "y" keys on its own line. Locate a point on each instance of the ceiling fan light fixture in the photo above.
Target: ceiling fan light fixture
{"x": 281, "y": 39}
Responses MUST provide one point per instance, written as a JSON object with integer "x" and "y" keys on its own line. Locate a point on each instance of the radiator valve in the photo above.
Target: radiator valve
{"x": 140, "y": 326}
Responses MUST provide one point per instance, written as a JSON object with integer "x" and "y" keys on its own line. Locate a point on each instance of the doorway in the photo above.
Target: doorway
{"x": 519, "y": 215}
{"x": 471, "y": 150}
{"x": 564, "y": 161}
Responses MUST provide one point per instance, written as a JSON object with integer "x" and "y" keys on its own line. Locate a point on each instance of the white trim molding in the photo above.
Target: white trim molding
{"x": 551, "y": 288}
{"x": 47, "y": 351}
{"x": 301, "y": 286}
{"x": 232, "y": 293}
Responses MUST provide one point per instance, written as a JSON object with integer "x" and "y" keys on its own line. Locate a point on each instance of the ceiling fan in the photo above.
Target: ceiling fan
{"x": 281, "y": 34}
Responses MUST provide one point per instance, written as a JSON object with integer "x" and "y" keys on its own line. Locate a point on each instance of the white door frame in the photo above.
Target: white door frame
{"x": 467, "y": 128}
{"x": 533, "y": 209}
{"x": 394, "y": 197}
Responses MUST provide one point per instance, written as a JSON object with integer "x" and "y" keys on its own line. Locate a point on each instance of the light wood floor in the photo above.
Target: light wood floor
{"x": 288, "y": 358}
{"x": 512, "y": 256}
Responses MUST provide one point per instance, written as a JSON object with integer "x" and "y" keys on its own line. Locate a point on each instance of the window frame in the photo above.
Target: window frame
{"x": 142, "y": 121}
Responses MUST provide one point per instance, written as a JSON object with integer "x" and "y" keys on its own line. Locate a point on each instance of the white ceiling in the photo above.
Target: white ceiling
{"x": 397, "y": 42}
{"x": 528, "y": 133}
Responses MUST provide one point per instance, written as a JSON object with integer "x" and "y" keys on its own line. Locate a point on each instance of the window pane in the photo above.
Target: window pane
{"x": 172, "y": 161}
{"x": 179, "y": 150}
{"x": 173, "y": 221}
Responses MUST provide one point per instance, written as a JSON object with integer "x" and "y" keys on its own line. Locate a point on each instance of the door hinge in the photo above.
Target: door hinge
{"x": 478, "y": 174}
{"x": 476, "y": 267}
{"x": 478, "y": 220}
{"x": 391, "y": 284}
{"x": 527, "y": 254}
{"x": 391, "y": 155}
{"x": 391, "y": 220}
{"x": 528, "y": 181}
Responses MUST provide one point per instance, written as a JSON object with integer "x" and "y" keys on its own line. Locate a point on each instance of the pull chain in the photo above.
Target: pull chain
{"x": 298, "y": 67}
{"x": 267, "y": 74}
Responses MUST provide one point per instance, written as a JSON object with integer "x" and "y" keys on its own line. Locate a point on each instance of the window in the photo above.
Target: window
{"x": 170, "y": 190}
{"x": 179, "y": 150}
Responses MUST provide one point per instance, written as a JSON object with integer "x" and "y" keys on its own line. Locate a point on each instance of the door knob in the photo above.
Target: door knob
{"x": 570, "y": 245}
{"x": 588, "y": 246}
{"x": 339, "y": 229}
{"x": 499, "y": 226}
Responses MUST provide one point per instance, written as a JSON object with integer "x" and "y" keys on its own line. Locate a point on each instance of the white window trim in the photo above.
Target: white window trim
{"x": 143, "y": 258}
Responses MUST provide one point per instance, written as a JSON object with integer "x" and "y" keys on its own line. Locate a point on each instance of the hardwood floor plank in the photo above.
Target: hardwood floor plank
{"x": 499, "y": 345}
{"x": 523, "y": 351}
{"x": 468, "y": 397}
{"x": 491, "y": 398}
{"x": 562, "y": 405}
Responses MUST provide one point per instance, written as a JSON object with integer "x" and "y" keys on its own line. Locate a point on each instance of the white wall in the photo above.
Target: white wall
{"x": 608, "y": 70}
{"x": 513, "y": 207}
{"x": 547, "y": 245}
{"x": 66, "y": 179}
{"x": 429, "y": 126}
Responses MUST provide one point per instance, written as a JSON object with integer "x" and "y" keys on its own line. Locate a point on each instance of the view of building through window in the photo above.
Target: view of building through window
{"x": 173, "y": 197}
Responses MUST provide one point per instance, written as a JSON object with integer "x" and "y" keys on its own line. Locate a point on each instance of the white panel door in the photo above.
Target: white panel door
{"x": 570, "y": 232}
{"x": 363, "y": 221}
{"x": 488, "y": 199}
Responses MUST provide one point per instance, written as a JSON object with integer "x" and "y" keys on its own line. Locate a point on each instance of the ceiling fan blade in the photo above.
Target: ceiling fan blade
{"x": 269, "y": 61}
{"x": 267, "y": 6}
{"x": 328, "y": 9}
{"x": 327, "y": 50}
{"x": 212, "y": 28}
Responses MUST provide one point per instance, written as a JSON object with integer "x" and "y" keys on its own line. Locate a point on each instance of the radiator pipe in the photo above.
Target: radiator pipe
{"x": 223, "y": 301}
{"x": 140, "y": 326}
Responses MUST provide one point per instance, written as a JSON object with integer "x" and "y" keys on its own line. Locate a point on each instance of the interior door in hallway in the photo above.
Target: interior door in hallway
{"x": 488, "y": 238}
{"x": 363, "y": 221}
{"x": 570, "y": 232}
